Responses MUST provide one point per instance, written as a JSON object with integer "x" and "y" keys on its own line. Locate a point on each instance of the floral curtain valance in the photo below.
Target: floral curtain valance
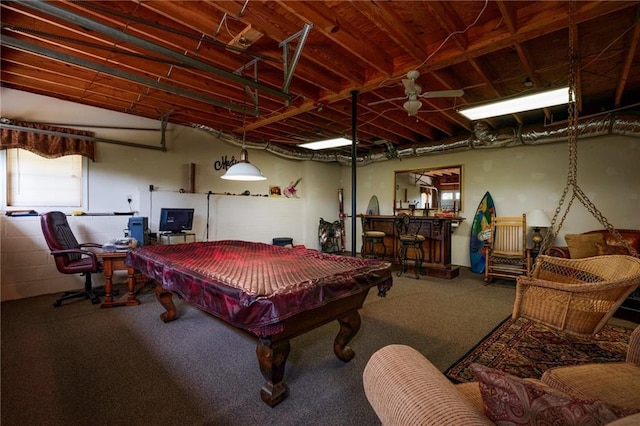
{"x": 50, "y": 143}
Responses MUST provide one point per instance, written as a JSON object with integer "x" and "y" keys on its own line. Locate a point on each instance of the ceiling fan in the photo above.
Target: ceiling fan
{"x": 413, "y": 92}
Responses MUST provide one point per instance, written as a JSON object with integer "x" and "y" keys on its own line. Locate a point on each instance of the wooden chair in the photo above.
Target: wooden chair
{"x": 409, "y": 241}
{"x": 371, "y": 239}
{"x": 507, "y": 255}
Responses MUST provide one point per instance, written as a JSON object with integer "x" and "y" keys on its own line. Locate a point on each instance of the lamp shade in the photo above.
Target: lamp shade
{"x": 243, "y": 170}
{"x": 412, "y": 106}
{"x": 538, "y": 219}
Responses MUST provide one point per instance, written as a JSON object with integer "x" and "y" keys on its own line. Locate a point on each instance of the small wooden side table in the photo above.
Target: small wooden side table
{"x": 115, "y": 262}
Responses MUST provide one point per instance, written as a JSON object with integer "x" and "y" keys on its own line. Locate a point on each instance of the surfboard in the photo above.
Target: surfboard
{"x": 481, "y": 232}
{"x": 374, "y": 207}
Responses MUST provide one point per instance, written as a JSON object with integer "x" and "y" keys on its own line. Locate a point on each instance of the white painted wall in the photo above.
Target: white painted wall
{"x": 519, "y": 179}
{"x": 524, "y": 178}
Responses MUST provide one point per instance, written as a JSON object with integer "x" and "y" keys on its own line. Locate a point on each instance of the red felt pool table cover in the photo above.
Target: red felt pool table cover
{"x": 255, "y": 286}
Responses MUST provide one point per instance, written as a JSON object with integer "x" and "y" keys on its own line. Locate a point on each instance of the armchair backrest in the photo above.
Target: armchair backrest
{"x": 60, "y": 239}
{"x": 509, "y": 235}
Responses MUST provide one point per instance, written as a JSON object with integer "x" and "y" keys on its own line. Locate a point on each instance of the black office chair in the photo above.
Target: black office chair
{"x": 409, "y": 241}
{"x": 70, "y": 256}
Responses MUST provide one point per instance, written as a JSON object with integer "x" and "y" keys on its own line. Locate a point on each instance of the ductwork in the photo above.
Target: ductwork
{"x": 482, "y": 137}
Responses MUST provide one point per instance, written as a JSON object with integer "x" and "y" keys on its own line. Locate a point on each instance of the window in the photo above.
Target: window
{"x": 35, "y": 181}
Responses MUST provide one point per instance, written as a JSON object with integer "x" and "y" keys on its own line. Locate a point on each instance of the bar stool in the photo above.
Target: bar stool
{"x": 409, "y": 238}
{"x": 370, "y": 239}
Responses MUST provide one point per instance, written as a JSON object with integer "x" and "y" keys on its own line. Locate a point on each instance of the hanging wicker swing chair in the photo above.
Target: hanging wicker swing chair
{"x": 577, "y": 296}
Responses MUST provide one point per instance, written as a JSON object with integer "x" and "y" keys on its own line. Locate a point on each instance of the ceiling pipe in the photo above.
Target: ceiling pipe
{"x": 482, "y": 137}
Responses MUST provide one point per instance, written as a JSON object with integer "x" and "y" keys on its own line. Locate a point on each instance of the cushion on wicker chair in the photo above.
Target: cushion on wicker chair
{"x": 583, "y": 245}
{"x": 511, "y": 400}
{"x": 605, "y": 249}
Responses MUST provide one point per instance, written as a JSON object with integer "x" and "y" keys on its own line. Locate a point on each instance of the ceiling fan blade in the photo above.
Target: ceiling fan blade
{"x": 443, "y": 94}
{"x": 386, "y": 100}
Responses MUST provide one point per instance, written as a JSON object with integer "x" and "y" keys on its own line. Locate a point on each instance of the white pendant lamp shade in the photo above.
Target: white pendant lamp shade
{"x": 243, "y": 170}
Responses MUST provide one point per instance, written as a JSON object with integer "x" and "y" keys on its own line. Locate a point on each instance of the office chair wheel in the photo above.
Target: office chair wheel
{"x": 57, "y": 303}
{"x": 95, "y": 300}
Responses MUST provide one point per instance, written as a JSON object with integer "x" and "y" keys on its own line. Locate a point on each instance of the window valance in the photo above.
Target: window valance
{"x": 46, "y": 141}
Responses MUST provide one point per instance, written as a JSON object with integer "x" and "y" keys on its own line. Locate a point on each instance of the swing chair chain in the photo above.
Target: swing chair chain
{"x": 572, "y": 178}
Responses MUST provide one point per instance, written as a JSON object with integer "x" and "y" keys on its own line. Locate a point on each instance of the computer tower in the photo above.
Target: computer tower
{"x": 139, "y": 229}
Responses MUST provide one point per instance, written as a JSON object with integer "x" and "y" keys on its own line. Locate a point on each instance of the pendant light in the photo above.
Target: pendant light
{"x": 243, "y": 170}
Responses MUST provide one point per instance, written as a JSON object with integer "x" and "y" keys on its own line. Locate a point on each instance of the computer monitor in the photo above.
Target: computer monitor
{"x": 175, "y": 221}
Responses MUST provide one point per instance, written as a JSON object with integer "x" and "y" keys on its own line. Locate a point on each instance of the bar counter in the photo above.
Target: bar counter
{"x": 437, "y": 245}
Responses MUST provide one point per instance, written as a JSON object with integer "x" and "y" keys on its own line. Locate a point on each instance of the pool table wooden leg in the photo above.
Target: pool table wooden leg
{"x": 349, "y": 326}
{"x": 165, "y": 297}
{"x": 272, "y": 358}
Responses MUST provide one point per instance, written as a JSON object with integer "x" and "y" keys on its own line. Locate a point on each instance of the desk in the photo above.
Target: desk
{"x": 182, "y": 235}
{"x": 115, "y": 262}
{"x": 273, "y": 293}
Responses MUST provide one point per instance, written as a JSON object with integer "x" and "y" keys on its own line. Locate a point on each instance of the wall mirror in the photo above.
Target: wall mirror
{"x": 429, "y": 190}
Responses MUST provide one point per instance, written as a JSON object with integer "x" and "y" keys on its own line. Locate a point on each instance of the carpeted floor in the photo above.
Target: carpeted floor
{"x": 526, "y": 349}
{"x": 82, "y": 365}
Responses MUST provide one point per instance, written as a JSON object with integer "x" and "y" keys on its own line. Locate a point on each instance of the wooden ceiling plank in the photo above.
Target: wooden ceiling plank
{"x": 449, "y": 21}
{"x": 338, "y": 30}
{"x": 205, "y": 52}
{"x": 309, "y": 67}
{"x": 538, "y": 19}
{"x": 144, "y": 67}
{"x": 509, "y": 15}
{"x": 384, "y": 16}
{"x": 162, "y": 101}
{"x": 626, "y": 68}
{"x": 158, "y": 49}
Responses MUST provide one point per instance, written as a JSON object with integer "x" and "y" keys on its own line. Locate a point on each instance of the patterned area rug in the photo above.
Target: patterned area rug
{"x": 525, "y": 348}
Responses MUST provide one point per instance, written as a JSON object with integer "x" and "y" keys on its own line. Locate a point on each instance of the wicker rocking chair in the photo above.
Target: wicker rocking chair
{"x": 577, "y": 296}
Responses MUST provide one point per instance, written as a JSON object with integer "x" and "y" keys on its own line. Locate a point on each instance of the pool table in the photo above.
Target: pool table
{"x": 272, "y": 292}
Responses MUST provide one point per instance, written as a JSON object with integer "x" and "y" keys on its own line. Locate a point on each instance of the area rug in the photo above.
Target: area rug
{"x": 526, "y": 348}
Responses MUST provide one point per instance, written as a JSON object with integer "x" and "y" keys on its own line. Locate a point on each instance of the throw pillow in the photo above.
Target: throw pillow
{"x": 510, "y": 400}
{"x": 583, "y": 245}
{"x": 606, "y": 249}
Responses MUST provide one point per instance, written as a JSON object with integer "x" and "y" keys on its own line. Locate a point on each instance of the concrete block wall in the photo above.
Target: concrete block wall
{"x": 26, "y": 266}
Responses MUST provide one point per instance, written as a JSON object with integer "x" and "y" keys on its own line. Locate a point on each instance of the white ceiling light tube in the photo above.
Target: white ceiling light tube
{"x": 326, "y": 144}
{"x": 519, "y": 104}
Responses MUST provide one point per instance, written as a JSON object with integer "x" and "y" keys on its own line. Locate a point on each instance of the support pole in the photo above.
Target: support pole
{"x": 354, "y": 154}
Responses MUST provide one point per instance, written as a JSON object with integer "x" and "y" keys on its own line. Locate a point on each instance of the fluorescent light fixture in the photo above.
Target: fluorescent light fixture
{"x": 519, "y": 104}
{"x": 243, "y": 170}
{"x": 326, "y": 144}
